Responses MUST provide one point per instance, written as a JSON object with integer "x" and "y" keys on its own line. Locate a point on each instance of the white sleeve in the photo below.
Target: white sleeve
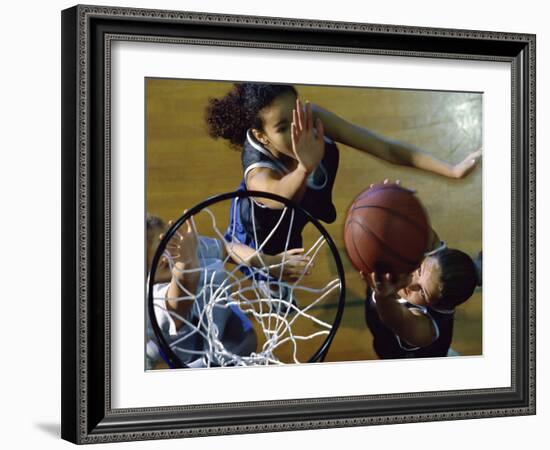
{"x": 165, "y": 321}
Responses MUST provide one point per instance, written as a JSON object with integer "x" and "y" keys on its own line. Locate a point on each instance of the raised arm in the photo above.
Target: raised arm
{"x": 308, "y": 145}
{"x": 388, "y": 149}
{"x": 291, "y": 263}
{"x": 182, "y": 249}
{"x": 291, "y": 186}
{"x": 412, "y": 327}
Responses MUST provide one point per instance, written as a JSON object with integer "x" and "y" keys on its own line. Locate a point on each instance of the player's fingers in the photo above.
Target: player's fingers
{"x": 187, "y": 222}
{"x": 293, "y": 270}
{"x": 300, "y": 114}
{"x": 298, "y": 271}
{"x": 296, "y": 261}
{"x": 294, "y": 138}
{"x": 476, "y": 154}
{"x": 320, "y": 129}
{"x": 377, "y": 278}
{"x": 163, "y": 263}
{"x": 295, "y": 251}
{"x": 309, "y": 117}
{"x": 300, "y": 264}
{"x": 193, "y": 226}
{"x": 295, "y": 121}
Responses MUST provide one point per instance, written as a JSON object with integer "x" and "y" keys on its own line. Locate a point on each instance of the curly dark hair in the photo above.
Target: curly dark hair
{"x": 231, "y": 116}
{"x": 458, "y": 277}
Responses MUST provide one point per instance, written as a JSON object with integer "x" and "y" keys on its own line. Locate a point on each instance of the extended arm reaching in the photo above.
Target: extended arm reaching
{"x": 413, "y": 328}
{"x": 291, "y": 263}
{"x": 391, "y": 150}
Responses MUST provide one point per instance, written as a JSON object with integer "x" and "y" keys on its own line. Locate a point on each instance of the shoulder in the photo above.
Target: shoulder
{"x": 256, "y": 156}
{"x": 259, "y": 178}
{"x": 426, "y": 328}
{"x": 261, "y": 171}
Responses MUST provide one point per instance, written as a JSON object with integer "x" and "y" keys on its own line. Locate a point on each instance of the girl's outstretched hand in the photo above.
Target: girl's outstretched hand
{"x": 182, "y": 248}
{"x": 293, "y": 263}
{"x": 463, "y": 168}
{"x": 308, "y": 142}
{"x": 386, "y": 285}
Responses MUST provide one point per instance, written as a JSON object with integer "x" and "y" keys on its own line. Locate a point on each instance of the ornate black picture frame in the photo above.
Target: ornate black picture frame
{"x": 87, "y": 413}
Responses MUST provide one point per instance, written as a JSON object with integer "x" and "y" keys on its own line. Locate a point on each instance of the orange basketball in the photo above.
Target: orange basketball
{"x": 386, "y": 230}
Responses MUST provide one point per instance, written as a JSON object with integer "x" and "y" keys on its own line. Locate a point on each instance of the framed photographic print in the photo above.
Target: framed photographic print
{"x": 281, "y": 224}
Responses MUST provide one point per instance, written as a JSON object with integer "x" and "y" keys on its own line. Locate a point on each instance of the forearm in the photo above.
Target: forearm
{"x": 390, "y": 150}
{"x": 414, "y": 329}
{"x": 410, "y": 155}
{"x": 395, "y": 152}
{"x": 181, "y": 286}
{"x": 243, "y": 254}
{"x": 292, "y": 186}
{"x": 392, "y": 313}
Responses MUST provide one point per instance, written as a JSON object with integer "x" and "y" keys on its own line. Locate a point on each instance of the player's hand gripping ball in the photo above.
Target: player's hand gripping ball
{"x": 386, "y": 230}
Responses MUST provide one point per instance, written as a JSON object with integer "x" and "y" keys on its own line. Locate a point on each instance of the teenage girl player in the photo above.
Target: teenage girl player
{"x": 412, "y": 315}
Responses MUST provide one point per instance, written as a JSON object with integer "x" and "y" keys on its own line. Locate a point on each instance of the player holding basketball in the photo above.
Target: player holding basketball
{"x": 289, "y": 149}
{"x": 179, "y": 301}
{"x": 412, "y": 316}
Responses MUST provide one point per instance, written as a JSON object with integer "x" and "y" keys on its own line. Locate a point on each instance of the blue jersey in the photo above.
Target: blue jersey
{"x": 388, "y": 345}
{"x": 252, "y": 222}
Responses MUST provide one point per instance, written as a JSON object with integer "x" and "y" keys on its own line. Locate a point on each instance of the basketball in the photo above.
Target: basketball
{"x": 386, "y": 230}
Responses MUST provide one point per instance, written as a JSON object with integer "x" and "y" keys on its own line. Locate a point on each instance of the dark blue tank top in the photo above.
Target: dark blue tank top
{"x": 387, "y": 344}
{"x": 251, "y": 222}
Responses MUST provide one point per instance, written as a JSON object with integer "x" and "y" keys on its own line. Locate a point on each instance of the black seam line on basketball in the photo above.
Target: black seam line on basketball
{"x": 359, "y": 253}
{"x": 355, "y": 248}
{"x": 383, "y": 244}
{"x": 419, "y": 227}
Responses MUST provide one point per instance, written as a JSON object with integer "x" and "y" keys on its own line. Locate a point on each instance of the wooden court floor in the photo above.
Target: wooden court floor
{"x": 185, "y": 166}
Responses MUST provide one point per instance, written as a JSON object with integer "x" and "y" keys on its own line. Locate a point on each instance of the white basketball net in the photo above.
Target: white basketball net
{"x": 282, "y": 328}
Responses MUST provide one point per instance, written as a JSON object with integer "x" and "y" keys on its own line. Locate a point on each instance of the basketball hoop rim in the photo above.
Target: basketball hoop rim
{"x": 170, "y": 357}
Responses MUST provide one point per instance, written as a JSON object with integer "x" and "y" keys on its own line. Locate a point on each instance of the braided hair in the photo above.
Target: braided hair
{"x": 231, "y": 116}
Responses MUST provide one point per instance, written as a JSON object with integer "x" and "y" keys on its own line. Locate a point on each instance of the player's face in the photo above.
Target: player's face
{"x": 277, "y": 120}
{"x": 425, "y": 286}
